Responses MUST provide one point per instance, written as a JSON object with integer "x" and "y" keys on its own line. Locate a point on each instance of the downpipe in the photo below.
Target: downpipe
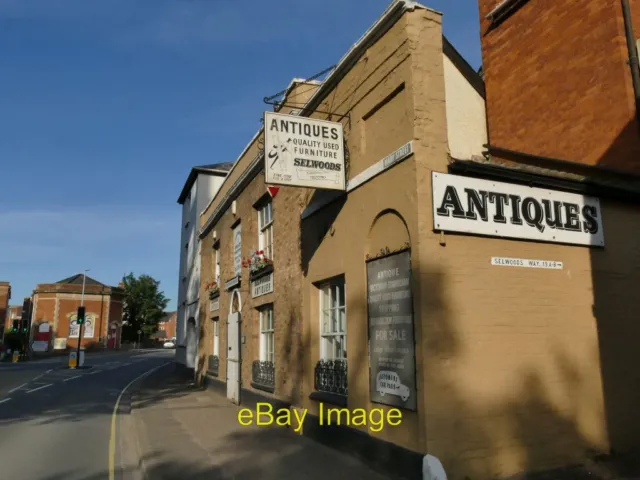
{"x": 633, "y": 54}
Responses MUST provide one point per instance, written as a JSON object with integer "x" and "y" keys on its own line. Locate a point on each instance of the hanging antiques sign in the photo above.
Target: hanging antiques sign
{"x": 303, "y": 152}
{"x": 262, "y": 285}
{"x": 484, "y": 207}
{"x": 391, "y": 338}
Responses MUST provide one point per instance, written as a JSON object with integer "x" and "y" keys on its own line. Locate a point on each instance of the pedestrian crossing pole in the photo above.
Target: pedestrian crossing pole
{"x": 80, "y": 318}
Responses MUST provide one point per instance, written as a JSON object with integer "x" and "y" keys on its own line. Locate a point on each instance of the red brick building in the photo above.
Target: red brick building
{"x": 167, "y": 326}
{"x": 57, "y": 303}
{"x": 5, "y": 295}
{"x": 559, "y": 80}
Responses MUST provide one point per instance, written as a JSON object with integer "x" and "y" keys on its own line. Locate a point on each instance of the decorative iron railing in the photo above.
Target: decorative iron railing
{"x": 331, "y": 377}
{"x": 263, "y": 374}
{"x": 214, "y": 365}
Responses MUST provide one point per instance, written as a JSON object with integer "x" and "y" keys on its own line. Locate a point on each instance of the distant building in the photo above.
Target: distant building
{"x": 5, "y": 295}
{"x": 198, "y": 192}
{"x": 167, "y": 326}
{"x": 56, "y": 304}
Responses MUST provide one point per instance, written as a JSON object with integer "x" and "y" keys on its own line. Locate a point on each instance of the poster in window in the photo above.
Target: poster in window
{"x": 391, "y": 335}
{"x": 87, "y": 327}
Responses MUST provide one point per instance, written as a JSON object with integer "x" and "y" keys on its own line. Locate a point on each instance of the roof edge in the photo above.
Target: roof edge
{"x": 388, "y": 18}
{"x": 193, "y": 175}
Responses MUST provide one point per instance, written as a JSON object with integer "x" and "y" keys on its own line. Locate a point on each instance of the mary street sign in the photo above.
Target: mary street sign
{"x": 303, "y": 152}
{"x": 484, "y": 207}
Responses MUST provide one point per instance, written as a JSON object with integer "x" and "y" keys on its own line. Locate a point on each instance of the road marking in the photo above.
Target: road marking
{"x": 39, "y": 388}
{"x": 114, "y": 415}
{"x": 17, "y": 388}
{"x": 4, "y": 400}
{"x": 71, "y": 378}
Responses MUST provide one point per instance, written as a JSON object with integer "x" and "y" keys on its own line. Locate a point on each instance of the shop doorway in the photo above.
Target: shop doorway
{"x": 234, "y": 360}
{"x": 112, "y": 342}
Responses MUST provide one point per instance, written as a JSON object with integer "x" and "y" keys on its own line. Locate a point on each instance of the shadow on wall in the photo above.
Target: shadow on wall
{"x": 547, "y": 417}
{"x": 616, "y": 277}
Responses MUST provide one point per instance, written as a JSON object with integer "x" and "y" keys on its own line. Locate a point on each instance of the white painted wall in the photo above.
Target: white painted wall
{"x": 466, "y": 116}
{"x": 202, "y": 192}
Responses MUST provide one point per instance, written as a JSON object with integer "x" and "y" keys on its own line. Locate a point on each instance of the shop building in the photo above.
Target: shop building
{"x": 290, "y": 274}
{"x": 535, "y": 363}
{"x": 55, "y": 309}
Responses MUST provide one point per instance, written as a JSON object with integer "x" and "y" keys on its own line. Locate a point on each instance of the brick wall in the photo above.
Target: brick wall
{"x": 5, "y": 295}
{"x": 558, "y": 83}
{"x": 287, "y": 206}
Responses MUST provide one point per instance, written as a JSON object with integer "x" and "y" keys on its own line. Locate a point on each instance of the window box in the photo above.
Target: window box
{"x": 267, "y": 269}
{"x": 213, "y": 289}
{"x": 263, "y": 376}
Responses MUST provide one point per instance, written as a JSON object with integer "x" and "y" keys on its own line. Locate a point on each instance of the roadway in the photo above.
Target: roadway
{"x": 57, "y": 423}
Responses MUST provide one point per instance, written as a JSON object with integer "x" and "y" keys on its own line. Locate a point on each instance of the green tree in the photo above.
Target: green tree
{"x": 144, "y": 304}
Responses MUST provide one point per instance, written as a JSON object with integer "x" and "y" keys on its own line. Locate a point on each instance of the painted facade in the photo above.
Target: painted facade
{"x": 201, "y": 185}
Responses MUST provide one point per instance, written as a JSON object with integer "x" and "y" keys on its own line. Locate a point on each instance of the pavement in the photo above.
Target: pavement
{"x": 185, "y": 432}
{"x": 57, "y": 423}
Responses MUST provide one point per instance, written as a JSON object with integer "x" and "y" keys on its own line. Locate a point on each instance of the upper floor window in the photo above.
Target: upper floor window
{"x": 265, "y": 225}
{"x": 333, "y": 321}
{"x": 266, "y": 334}
{"x": 216, "y": 265}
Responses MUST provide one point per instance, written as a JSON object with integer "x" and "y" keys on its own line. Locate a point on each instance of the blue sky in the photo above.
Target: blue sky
{"x": 105, "y": 106}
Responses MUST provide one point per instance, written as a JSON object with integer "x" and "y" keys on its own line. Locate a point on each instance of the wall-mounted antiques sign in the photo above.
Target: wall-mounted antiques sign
{"x": 391, "y": 337}
{"x": 262, "y": 285}
{"x": 484, "y": 207}
{"x": 303, "y": 152}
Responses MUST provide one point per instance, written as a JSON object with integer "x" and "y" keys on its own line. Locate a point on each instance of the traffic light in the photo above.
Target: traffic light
{"x": 15, "y": 326}
{"x": 80, "y": 315}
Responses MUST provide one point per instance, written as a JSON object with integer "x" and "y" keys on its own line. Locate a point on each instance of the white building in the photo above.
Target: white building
{"x": 198, "y": 191}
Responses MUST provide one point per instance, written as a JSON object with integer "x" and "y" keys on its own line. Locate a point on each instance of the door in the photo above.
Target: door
{"x": 233, "y": 358}
{"x": 113, "y": 337}
{"x": 192, "y": 339}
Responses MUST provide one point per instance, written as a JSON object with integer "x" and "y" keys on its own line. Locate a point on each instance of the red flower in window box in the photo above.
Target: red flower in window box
{"x": 257, "y": 262}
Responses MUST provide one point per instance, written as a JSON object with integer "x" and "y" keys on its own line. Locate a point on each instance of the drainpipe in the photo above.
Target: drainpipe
{"x": 633, "y": 54}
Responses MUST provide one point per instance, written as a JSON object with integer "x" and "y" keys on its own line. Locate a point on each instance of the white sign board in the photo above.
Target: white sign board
{"x": 60, "y": 344}
{"x": 87, "y": 327}
{"x": 303, "y": 152}
{"x": 262, "y": 285}
{"x": 526, "y": 263}
{"x": 237, "y": 250}
{"x": 40, "y": 346}
{"x": 380, "y": 166}
{"x": 214, "y": 304}
{"x": 484, "y": 207}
